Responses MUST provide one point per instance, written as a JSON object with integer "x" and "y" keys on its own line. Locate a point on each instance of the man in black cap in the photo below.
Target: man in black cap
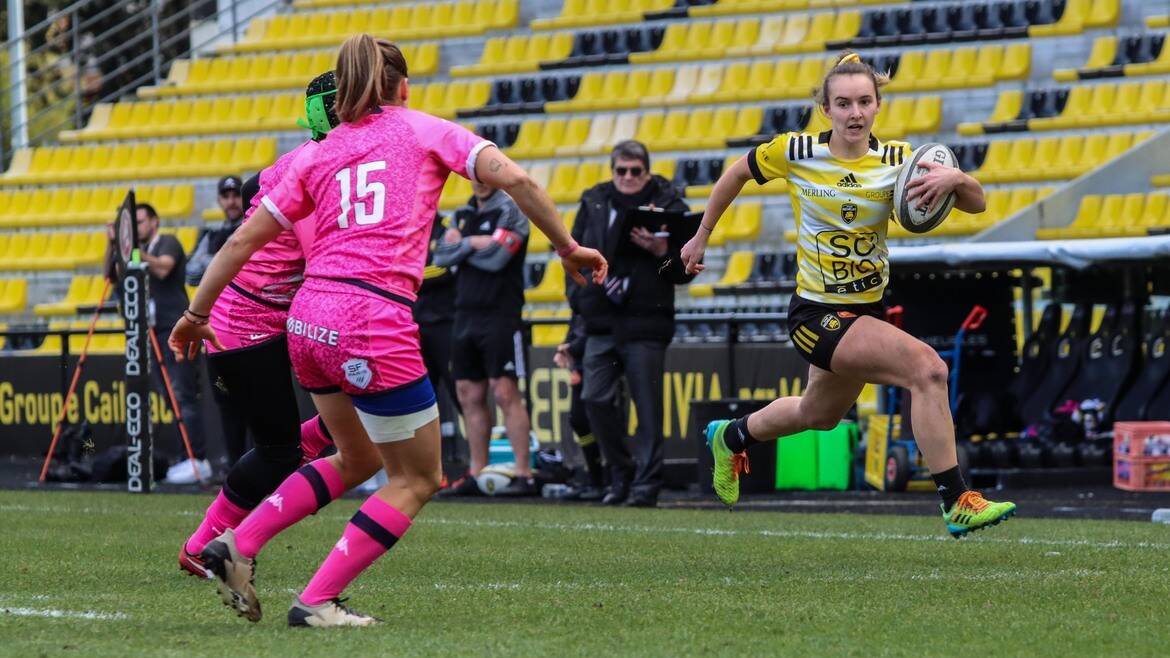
{"x": 231, "y": 202}
{"x": 212, "y": 239}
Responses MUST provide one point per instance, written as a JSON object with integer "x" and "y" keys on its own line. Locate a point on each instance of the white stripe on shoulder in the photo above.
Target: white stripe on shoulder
{"x": 473, "y": 156}
{"x": 280, "y": 218}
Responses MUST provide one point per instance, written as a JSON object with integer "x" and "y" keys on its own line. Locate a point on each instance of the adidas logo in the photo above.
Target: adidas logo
{"x": 509, "y": 367}
{"x": 343, "y": 546}
{"x": 848, "y": 181}
{"x": 277, "y": 501}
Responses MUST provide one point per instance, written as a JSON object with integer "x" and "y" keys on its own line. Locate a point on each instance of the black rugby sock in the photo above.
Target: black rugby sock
{"x": 950, "y": 486}
{"x": 737, "y": 437}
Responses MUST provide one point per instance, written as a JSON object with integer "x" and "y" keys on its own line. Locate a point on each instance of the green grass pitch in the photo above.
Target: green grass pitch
{"x": 95, "y": 574}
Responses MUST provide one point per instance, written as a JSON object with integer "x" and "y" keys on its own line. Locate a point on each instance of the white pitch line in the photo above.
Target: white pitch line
{"x": 796, "y": 534}
{"x": 719, "y": 532}
{"x": 62, "y": 614}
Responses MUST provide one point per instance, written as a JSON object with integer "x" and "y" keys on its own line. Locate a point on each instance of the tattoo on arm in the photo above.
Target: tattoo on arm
{"x": 495, "y": 165}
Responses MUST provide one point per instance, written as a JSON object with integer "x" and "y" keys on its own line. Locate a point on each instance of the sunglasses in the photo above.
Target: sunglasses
{"x": 632, "y": 171}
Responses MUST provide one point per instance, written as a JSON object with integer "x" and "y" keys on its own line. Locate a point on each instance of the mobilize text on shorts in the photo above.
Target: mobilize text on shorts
{"x": 311, "y": 331}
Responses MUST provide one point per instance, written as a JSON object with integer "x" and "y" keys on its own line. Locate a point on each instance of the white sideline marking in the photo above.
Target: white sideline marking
{"x": 1010, "y": 576}
{"x": 796, "y": 534}
{"x": 719, "y": 532}
{"x": 62, "y": 614}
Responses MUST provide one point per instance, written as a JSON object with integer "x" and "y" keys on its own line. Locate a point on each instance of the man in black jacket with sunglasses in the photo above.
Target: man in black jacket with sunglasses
{"x": 629, "y": 320}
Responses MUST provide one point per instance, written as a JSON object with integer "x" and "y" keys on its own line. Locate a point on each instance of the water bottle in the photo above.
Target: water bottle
{"x": 1161, "y": 515}
{"x": 556, "y": 490}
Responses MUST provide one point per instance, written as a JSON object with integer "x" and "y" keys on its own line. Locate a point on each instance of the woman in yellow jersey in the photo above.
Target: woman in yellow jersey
{"x": 841, "y": 183}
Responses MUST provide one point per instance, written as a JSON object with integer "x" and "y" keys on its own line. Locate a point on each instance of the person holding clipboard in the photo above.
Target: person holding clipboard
{"x": 637, "y": 221}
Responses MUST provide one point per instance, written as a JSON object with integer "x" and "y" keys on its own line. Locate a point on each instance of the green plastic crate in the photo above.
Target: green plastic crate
{"x": 816, "y": 460}
{"x": 796, "y": 461}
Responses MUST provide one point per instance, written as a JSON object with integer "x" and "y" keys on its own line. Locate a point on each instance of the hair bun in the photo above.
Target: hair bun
{"x": 851, "y": 58}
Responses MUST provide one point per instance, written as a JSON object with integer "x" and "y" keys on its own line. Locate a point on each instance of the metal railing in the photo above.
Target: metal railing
{"x": 155, "y": 41}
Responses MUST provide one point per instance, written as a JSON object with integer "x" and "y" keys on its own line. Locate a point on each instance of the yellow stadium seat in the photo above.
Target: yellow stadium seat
{"x": 1088, "y": 213}
{"x": 601, "y": 127}
{"x": 1161, "y": 180}
{"x": 710, "y": 81}
{"x": 722, "y": 36}
{"x": 603, "y": 91}
{"x": 1072, "y": 21}
{"x": 1157, "y": 212}
{"x": 796, "y": 29}
{"x": 758, "y": 82}
{"x": 548, "y": 335}
{"x": 747, "y": 224}
{"x": 14, "y": 296}
{"x": 563, "y": 186}
{"x": 528, "y": 142}
{"x": 685, "y": 79}
{"x": 1102, "y": 54}
{"x": 739, "y": 268}
{"x": 733, "y": 77}
{"x": 927, "y": 116}
{"x": 910, "y": 70}
{"x": 1017, "y": 62}
{"x": 571, "y": 136}
{"x": 770, "y": 31}
{"x": 1069, "y": 152}
{"x": 551, "y": 288}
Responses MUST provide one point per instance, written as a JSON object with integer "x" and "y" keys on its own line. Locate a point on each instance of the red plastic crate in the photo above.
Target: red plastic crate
{"x": 1141, "y": 456}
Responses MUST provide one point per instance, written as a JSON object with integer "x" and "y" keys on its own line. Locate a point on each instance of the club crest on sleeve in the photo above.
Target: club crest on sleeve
{"x": 357, "y": 372}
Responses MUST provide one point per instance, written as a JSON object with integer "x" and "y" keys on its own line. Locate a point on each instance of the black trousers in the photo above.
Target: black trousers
{"x": 436, "y": 339}
{"x": 641, "y": 363}
{"x": 258, "y": 382}
{"x": 184, "y": 377}
{"x": 231, "y": 420}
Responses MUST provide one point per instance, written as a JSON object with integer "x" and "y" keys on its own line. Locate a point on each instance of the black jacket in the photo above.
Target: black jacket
{"x": 647, "y": 310}
{"x": 436, "y": 296}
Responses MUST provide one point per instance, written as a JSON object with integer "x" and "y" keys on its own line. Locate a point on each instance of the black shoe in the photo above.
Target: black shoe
{"x": 591, "y": 494}
{"x": 519, "y": 486}
{"x": 641, "y": 500}
{"x": 464, "y": 486}
{"x": 615, "y": 497}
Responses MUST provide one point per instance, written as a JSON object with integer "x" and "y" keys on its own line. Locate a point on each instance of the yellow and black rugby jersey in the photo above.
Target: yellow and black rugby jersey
{"x": 842, "y": 208}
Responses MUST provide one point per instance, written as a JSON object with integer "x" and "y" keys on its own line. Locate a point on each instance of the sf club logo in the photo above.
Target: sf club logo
{"x": 830, "y": 322}
{"x": 848, "y": 212}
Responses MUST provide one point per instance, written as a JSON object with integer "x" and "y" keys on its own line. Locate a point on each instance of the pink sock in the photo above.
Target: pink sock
{"x": 372, "y": 531}
{"x": 304, "y": 492}
{"x": 221, "y": 515}
{"x": 313, "y": 439}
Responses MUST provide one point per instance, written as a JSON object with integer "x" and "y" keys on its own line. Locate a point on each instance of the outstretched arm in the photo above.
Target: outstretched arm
{"x": 726, "y": 189}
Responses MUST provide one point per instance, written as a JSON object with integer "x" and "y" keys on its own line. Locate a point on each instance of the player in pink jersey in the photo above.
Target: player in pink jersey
{"x": 254, "y": 370}
{"x": 370, "y": 191}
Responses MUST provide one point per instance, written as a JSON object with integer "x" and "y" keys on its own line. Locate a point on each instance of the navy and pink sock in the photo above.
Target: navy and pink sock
{"x": 373, "y": 530}
{"x": 303, "y": 493}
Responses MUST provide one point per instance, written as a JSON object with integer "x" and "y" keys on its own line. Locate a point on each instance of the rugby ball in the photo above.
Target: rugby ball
{"x": 495, "y": 478}
{"x": 907, "y": 213}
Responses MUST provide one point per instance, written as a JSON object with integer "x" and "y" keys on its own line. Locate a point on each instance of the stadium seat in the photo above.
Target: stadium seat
{"x": 301, "y": 30}
{"x": 84, "y": 289}
{"x": 739, "y": 268}
{"x": 549, "y": 335}
{"x": 551, "y": 289}
{"x": 1042, "y": 159}
{"x": 13, "y": 295}
{"x": 1079, "y": 15}
{"x": 1113, "y": 215}
{"x": 587, "y": 13}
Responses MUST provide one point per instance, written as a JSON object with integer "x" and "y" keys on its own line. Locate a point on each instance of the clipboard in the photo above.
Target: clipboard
{"x": 682, "y": 226}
